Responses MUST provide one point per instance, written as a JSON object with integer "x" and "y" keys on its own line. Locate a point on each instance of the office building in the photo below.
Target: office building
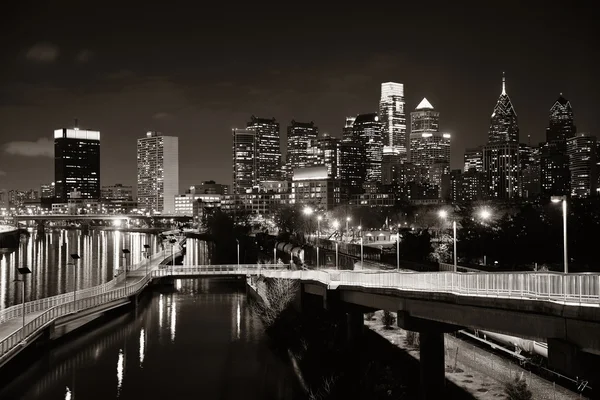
{"x": 117, "y": 191}
{"x": 208, "y": 187}
{"x": 245, "y": 160}
{"x": 474, "y": 159}
{"x": 299, "y": 136}
{"x": 503, "y": 126}
{"x": 157, "y": 173}
{"x": 501, "y": 164}
{"x": 324, "y": 151}
{"x": 581, "y": 150}
{"x": 76, "y": 163}
{"x": 268, "y": 151}
{"x": 393, "y": 118}
{"x": 312, "y": 186}
{"x": 368, "y": 129}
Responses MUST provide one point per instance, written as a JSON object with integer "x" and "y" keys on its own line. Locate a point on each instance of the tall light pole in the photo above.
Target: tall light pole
{"x": 558, "y": 199}
{"x": 125, "y": 254}
{"x": 319, "y": 218}
{"x": 238, "y": 251}
{"x": 147, "y": 255}
{"x": 347, "y": 229}
{"x": 444, "y": 215}
{"x": 398, "y": 250}
{"x": 173, "y": 241}
{"x": 75, "y": 257}
{"x": 485, "y": 215}
{"x": 308, "y": 212}
{"x": 23, "y": 271}
{"x": 362, "y": 258}
{"x": 275, "y": 254}
{"x": 336, "y": 226}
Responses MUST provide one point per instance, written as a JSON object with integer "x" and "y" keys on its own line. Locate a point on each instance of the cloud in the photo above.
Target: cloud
{"x": 43, "y": 53}
{"x": 84, "y": 56}
{"x": 42, "y": 147}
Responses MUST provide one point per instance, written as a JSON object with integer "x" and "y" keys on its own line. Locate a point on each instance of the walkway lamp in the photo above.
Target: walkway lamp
{"x": 398, "y": 249}
{"x": 75, "y": 257}
{"x": 126, "y": 252}
{"x": 275, "y": 254}
{"x": 362, "y": 254}
{"x": 563, "y": 199}
{"x": 444, "y": 215}
{"x": 336, "y": 256}
{"x": 319, "y": 218}
{"x": 348, "y": 219}
{"x": 23, "y": 271}
{"x": 147, "y": 255}
{"x": 238, "y": 252}
{"x": 173, "y": 241}
{"x": 485, "y": 215}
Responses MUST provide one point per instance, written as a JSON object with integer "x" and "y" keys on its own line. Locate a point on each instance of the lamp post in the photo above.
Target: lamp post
{"x": 336, "y": 226}
{"x": 308, "y": 212}
{"x": 319, "y": 218}
{"x": 485, "y": 215}
{"x": 398, "y": 250}
{"x": 275, "y": 255}
{"x": 347, "y": 229}
{"x": 125, "y": 254}
{"x": 74, "y": 257}
{"x": 23, "y": 271}
{"x": 173, "y": 241}
{"x": 563, "y": 199}
{"x": 147, "y": 255}
{"x": 361, "y": 246}
{"x": 238, "y": 252}
{"x": 444, "y": 215}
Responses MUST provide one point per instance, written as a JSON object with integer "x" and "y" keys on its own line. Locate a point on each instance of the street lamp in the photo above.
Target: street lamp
{"x": 398, "y": 250}
{"x": 485, "y": 215}
{"x": 275, "y": 254}
{"x": 23, "y": 271}
{"x": 336, "y": 255}
{"x": 319, "y": 218}
{"x": 444, "y": 214}
{"x": 75, "y": 257}
{"x": 125, "y": 254}
{"x": 238, "y": 251}
{"x": 347, "y": 229}
{"x": 173, "y": 241}
{"x": 147, "y": 255}
{"x": 558, "y": 199}
{"x": 361, "y": 246}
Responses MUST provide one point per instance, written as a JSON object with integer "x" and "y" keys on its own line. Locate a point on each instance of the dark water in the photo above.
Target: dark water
{"x": 47, "y": 255}
{"x": 199, "y": 341}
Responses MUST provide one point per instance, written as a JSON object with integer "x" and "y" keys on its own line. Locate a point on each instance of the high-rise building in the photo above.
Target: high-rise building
{"x": 299, "y": 136}
{"x": 530, "y": 171}
{"x": 324, "y": 151}
{"x": 474, "y": 159}
{"x": 47, "y": 191}
{"x": 428, "y": 146}
{"x": 245, "y": 160}
{"x": 390, "y": 165}
{"x": 502, "y": 166}
{"x": 393, "y": 118}
{"x": 503, "y": 126}
{"x": 367, "y": 128}
{"x": 157, "y": 173}
{"x": 208, "y": 187}
{"x": 268, "y": 150}
{"x": 76, "y": 163}
{"x": 554, "y": 161}
{"x": 581, "y": 150}
{"x": 348, "y": 132}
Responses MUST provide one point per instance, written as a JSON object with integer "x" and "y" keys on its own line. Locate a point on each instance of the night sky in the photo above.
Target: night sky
{"x": 197, "y": 71}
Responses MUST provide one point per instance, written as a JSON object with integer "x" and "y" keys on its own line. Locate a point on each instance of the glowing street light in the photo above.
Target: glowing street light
{"x": 563, "y": 199}
{"x": 319, "y": 218}
{"x": 307, "y": 210}
{"x": 444, "y": 215}
{"x": 485, "y": 214}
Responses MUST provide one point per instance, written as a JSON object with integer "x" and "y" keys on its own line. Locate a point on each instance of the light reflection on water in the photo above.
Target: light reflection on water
{"x": 47, "y": 255}
{"x": 220, "y": 352}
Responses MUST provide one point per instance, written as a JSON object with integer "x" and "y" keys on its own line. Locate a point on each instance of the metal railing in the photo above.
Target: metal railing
{"x": 231, "y": 269}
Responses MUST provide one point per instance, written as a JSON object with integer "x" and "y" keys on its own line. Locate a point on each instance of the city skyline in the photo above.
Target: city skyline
{"x": 58, "y": 78}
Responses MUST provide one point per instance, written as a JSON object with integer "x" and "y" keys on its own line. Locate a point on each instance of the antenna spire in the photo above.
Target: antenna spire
{"x": 503, "y": 84}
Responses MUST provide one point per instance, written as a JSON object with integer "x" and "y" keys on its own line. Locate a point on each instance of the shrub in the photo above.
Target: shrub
{"x": 388, "y": 319}
{"x": 517, "y": 389}
{"x": 279, "y": 295}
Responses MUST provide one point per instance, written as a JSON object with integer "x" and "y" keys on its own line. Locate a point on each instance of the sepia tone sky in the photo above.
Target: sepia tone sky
{"x": 197, "y": 71}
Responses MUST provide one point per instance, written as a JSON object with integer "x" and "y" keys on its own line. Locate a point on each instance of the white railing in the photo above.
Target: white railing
{"x": 231, "y": 269}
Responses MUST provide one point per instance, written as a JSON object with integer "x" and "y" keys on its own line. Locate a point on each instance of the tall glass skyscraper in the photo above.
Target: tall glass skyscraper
{"x": 503, "y": 126}
{"x": 351, "y": 156}
{"x": 76, "y": 163}
{"x": 427, "y": 144}
{"x": 244, "y": 160}
{"x": 157, "y": 173}
{"x": 393, "y": 118}
{"x": 299, "y": 136}
{"x": 268, "y": 143}
{"x": 368, "y": 129}
{"x": 581, "y": 150}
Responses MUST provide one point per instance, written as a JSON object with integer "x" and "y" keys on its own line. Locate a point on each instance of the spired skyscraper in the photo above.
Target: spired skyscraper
{"x": 157, "y": 173}
{"x": 501, "y": 154}
{"x": 76, "y": 163}
{"x": 393, "y": 119}
{"x": 554, "y": 161}
{"x": 268, "y": 148}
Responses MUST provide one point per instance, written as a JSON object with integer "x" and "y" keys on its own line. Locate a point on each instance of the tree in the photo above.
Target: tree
{"x": 279, "y": 294}
{"x": 388, "y": 319}
{"x": 517, "y": 389}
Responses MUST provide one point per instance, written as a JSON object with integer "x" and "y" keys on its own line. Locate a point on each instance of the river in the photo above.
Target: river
{"x": 198, "y": 339}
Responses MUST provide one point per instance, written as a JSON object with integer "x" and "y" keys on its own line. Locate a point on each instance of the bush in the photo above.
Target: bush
{"x": 279, "y": 295}
{"x": 388, "y": 319}
{"x": 517, "y": 389}
{"x": 412, "y": 338}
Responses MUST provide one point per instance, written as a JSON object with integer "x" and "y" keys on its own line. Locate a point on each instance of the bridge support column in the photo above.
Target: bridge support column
{"x": 355, "y": 322}
{"x": 433, "y": 366}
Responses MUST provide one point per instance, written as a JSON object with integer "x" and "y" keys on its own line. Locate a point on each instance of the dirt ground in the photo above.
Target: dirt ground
{"x": 477, "y": 371}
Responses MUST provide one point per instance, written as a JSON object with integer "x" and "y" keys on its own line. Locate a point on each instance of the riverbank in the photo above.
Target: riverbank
{"x": 476, "y": 371}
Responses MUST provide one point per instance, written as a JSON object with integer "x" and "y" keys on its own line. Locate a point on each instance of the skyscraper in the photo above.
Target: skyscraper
{"x": 76, "y": 163}
{"x": 503, "y": 126}
{"x": 428, "y": 145}
{"x": 501, "y": 155}
{"x": 157, "y": 173}
{"x": 245, "y": 160}
{"x": 268, "y": 148}
{"x": 299, "y": 135}
{"x": 393, "y": 117}
{"x": 581, "y": 150}
{"x": 368, "y": 129}
{"x": 324, "y": 151}
{"x": 474, "y": 159}
{"x": 554, "y": 161}
{"x": 351, "y": 155}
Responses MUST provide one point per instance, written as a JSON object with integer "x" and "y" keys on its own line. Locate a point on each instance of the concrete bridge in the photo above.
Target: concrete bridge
{"x": 563, "y": 310}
